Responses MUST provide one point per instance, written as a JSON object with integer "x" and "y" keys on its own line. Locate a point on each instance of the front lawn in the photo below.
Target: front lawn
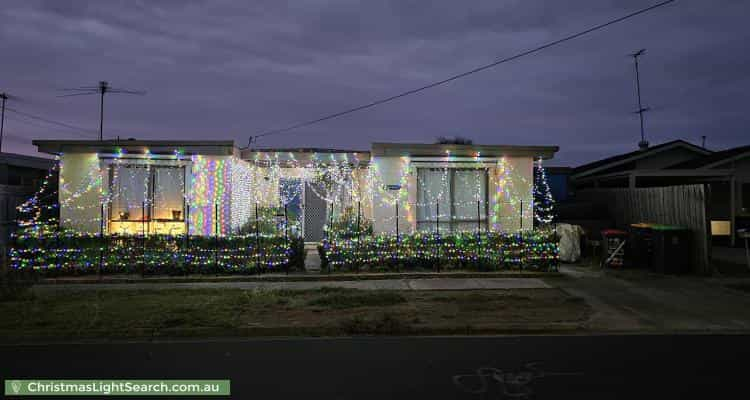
{"x": 96, "y": 313}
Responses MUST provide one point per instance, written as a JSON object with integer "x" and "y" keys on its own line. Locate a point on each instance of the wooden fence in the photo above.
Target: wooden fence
{"x": 672, "y": 205}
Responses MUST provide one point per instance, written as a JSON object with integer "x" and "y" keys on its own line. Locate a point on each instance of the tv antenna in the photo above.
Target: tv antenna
{"x": 643, "y": 144}
{"x": 102, "y": 88}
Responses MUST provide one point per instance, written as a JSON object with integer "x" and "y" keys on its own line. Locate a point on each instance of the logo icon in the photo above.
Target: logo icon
{"x": 16, "y": 386}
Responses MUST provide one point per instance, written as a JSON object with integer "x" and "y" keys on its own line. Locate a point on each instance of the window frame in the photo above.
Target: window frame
{"x": 149, "y": 211}
{"x": 451, "y": 222}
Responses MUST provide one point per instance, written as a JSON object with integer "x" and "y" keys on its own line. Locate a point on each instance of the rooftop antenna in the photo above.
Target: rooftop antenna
{"x": 643, "y": 144}
{"x": 102, "y": 88}
{"x": 250, "y": 141}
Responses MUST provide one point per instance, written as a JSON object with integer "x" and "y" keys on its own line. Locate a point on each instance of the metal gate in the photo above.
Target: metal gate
{"x": 315, "y": 212}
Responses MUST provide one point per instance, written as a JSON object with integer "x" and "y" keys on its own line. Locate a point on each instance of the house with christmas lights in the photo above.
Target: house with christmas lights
{"x": 212, "y": 188}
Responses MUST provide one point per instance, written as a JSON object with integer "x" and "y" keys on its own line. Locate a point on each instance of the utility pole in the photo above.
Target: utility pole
{"x": 103, "y": 86}
{"x": 3, "y": 96}
{"x": 643, "y": 144}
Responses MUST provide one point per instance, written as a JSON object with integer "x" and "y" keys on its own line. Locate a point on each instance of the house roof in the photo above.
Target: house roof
{"x": 303, "y": 150}
{"x": 208, "y": 147}
{"x": 461, "y": 150}
{"x": 296, "y": 156}
{"x": 24, "y": 161}
{"x": 635, "y": 155}
{"x": 713, "y": 159}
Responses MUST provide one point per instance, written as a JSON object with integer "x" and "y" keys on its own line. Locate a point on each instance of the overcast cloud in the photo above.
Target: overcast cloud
{"x": 231, "y": 69}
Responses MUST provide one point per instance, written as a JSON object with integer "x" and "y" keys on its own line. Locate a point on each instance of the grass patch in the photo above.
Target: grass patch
{"x": 124, "y": 313}
{"x": 743, "y": 287}
{"x": 384, "y": 324}
{"x": 357, "y": 298}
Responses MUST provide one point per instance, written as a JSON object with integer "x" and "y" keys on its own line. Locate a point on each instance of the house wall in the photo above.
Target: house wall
{"x": 558, "y": 185}
{"x": 80, "y": 191}
{"x": 209, "y": 193}
{"x": 742, "y": 181}
{"x": 741, "y": 203}
{"x": 84, "y": 183}
{"x": 509, "y": 188}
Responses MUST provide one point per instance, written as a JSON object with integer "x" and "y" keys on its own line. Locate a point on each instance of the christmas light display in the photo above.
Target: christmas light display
{"x": 234, "y": 213}
{"x": 544, "y": 204}
{"x": 70, "y": 252}
{"x": 465, "y": 250}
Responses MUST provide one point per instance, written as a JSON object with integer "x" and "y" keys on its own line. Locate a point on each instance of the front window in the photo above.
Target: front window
{"x": 147, "y": 199}
{"x": 455, "y": 199}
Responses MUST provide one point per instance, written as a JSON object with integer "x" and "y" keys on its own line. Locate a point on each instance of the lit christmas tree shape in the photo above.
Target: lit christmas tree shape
{"x": 544, "y": 204}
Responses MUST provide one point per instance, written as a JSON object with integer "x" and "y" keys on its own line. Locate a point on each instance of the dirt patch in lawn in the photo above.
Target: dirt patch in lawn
{"x": 329, "y": 311}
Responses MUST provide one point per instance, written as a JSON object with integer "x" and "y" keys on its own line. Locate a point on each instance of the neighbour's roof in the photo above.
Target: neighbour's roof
{"x": 208, "y": 147}
{"x": 24, "y": 161}
{"x": 559, "y": 170}
{"x": 634, "y": 155}
{"x": 461, "y": 150}
{"x": 712, "y": 159}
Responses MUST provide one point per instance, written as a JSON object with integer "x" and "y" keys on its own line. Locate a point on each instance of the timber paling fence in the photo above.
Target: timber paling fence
{"x": 672, "y": 205}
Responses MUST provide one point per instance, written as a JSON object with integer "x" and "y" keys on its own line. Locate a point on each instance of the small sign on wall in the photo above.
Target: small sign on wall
{"x": 392, "y": 187}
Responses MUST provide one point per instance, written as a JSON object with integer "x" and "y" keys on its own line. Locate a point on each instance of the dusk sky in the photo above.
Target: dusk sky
{"x": 232, "y": 69}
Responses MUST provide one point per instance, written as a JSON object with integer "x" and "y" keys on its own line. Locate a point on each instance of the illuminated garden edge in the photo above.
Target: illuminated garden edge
{"x": 536, "y": 249}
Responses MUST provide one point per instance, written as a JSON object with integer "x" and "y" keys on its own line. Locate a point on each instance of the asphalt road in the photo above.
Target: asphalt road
{"x": 580, "y": 367}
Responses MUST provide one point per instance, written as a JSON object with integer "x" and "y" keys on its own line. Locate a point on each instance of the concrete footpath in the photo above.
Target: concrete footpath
{"x": 387, "y": 284}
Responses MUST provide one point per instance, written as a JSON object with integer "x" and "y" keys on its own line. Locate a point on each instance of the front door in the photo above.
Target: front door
{"x": 315, "y": 213}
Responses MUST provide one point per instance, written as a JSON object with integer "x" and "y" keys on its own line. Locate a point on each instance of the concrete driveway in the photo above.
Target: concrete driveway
{"x": 642, "y": 301}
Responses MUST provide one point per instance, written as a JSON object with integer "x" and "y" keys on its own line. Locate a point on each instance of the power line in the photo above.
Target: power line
{"x": 463, "y": 74}
{"x": 32, "y": 123}
{"x": 49, "y": 121}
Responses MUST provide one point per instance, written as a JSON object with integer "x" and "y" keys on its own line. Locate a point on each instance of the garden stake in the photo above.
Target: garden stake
{"x": 479, "y": 239}
{"x": 398, "y": 242}
{"x": 101, "y": 240}
{"x": 359, "y": 206}
{"x": 286, "y": 237}
{"x": 143, "y": 235}
{"x": 257, "y": 240}
{"x": 216, "y": 234}
{"x": 359, "y": 230}
{"x": 187, "y": 220}
{"x": 437, "y": 226}
{"x": 479, "y": 222}
{"x": 397, "y": 220}
{"x": 330, "y": 229}
{"x": 520, "y": 262}
{"x": 57, "y": 243}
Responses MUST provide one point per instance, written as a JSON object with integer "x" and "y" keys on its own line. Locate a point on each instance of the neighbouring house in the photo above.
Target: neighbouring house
{"x": 730, "y": 187}
{"x": 20, "y": 177}
{"x": 559, "y": 182}
{"x": 725, "y": 173}
{"x": 213, "y": 188}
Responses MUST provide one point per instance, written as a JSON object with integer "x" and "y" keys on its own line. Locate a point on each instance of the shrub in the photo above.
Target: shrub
{"x": 481, "y": 251}
{"x": 70, "y": 253}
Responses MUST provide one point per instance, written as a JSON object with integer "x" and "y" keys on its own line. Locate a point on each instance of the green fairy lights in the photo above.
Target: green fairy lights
{"x": 428, "y": 250}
